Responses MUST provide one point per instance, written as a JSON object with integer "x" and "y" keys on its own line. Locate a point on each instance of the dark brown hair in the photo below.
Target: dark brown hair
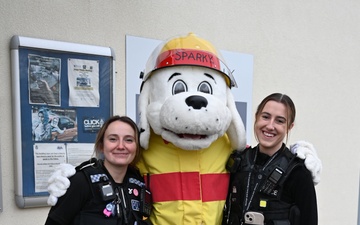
{"x": 286, "y": 101}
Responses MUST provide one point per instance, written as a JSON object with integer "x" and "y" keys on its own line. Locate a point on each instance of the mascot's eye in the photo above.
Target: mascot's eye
{"x": 205, "y": 87}
{"x": 178, "y": 87}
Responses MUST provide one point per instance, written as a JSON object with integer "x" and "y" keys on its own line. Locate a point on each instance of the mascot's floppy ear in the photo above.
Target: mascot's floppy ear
{"x": 144, "y": 125}
{"x": 236, "y": 131}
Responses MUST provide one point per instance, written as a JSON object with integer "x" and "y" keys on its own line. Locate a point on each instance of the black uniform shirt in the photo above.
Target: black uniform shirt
{"x": 79, "y": 195}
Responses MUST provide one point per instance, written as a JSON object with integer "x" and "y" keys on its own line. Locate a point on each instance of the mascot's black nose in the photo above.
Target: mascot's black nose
{"x": 196, "y": 101}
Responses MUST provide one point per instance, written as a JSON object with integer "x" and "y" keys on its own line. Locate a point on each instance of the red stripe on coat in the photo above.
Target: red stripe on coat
{"x": 188, "y": 186}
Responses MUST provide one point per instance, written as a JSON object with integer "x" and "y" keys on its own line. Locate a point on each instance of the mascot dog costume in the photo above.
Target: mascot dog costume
{"x": 189, "y": 127}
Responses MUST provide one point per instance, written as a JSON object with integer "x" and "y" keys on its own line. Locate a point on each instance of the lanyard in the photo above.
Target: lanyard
{"x": 248, "y": 200}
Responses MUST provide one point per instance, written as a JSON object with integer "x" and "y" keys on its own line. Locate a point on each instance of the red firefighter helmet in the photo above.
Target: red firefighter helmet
{"x": 187, "y": 50}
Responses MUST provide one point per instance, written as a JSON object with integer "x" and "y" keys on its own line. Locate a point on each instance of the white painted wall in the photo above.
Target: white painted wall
{"x": 307, "y": 49}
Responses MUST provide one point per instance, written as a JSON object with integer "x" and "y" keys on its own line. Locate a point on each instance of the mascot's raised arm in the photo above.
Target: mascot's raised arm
{"x": 189, "y": 126}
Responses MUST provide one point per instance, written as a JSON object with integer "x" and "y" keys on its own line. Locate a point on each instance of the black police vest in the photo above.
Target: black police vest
{"x": 104, "y": 191}
{"x": 268, "y": 181}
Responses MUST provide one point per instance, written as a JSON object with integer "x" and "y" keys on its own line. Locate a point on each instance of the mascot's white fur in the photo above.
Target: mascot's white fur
{"x": 190, "y": 107}
{"x": 189, "y": 126}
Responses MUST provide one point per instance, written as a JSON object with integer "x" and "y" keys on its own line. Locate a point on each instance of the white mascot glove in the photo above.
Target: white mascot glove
{"x": 59, "y": 182}
{"x": 306, "y": 151}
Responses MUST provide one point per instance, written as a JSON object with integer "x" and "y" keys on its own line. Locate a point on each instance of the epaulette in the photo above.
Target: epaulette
{"x": 92, "y": 162}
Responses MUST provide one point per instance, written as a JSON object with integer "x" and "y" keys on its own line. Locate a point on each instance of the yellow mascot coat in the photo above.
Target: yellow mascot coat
{"x": 188, "y": 187}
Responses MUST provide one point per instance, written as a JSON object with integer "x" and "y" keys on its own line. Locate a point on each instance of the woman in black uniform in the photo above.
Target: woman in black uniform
{"x": 269, "y": 185}
{"x": 108, "y": 189}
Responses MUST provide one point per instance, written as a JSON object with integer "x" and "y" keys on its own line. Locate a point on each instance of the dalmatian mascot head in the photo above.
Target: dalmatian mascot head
{"x": 185, "y": 96}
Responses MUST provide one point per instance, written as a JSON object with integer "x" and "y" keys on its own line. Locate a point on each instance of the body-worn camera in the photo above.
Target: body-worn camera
{"x": 107, "y": 191}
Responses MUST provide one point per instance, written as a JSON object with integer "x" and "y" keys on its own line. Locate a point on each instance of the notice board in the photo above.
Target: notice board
{"x": 61, "y": 94}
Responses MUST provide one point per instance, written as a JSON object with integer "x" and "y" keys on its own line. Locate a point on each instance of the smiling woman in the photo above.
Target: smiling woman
{"x": 270, "y": 185}
{"x": 274, "y": 119}
{"x": 99, "y": 190}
